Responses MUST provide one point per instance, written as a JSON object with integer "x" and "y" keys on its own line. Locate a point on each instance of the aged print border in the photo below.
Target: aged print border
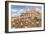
{"x": 7, "y": 16}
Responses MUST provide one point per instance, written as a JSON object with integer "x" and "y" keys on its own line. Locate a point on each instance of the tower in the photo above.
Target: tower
{"x": 33, "y": 8}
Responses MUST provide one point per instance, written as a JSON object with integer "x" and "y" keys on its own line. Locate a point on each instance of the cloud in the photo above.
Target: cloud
{"x": 14, "y": 10}
{"x": 37, "y": 9}
{"x": 28, "y": 9}
{"x": 21, "y": 11}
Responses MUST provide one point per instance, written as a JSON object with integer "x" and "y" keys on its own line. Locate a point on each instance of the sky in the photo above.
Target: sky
{"x": 18, "y": 9}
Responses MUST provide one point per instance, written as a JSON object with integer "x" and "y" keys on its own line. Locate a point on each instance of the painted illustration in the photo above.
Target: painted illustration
{"x": 26, "y": 16}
